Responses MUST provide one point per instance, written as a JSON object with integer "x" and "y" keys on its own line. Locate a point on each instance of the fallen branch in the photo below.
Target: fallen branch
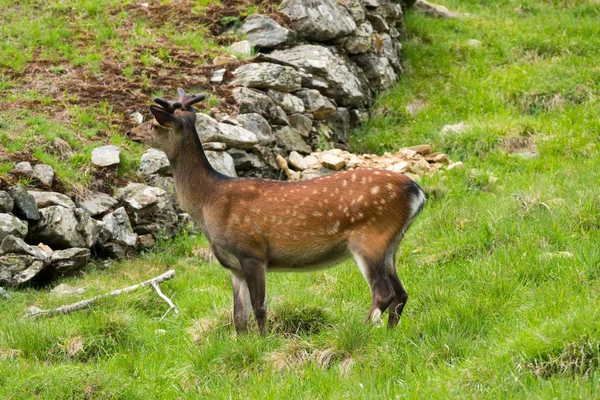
{"x": 35, "y": 312}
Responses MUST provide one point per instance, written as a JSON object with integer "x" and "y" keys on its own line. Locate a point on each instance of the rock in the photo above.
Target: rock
{"x": 221, "y": 162}
{"x": 47, "y": 199}
{"x": 433, "y": 10}
{"x": 267, "y": 76}
{"x": 419, "y": 167}
{"x": 334, "y": 74}
{"x": 136, "y": 117}
{"x": 297, "y": 161}
{"x": 288, "y": 102}
{"x": 209, "y": 130}
{"x": 392, "y": 50}
{"x": 67, "y": 261}
{"x": 241, "y": 49}
{"x": 378, "y": 23}
{"x": 65, "y": 290}
{"x": 312, "y": 161}
{"x": 16, "y": 269}
{"x": 44, "y": 174}
{"x": 6, "y": 202}
{"x": 214, "y": 146}
{"x": 254, "y": 101}
{"x": 457, "y": 165}
{"x": 97, "y": 203}
{"x": 58, "y": 228}
{"x": 473, "y": 43}
{"x": 317, "y": 104}
{"x": 24, "y": 204}
{"x": 399, "y": 167}
{"x": 105, "y": 156}
{"x": 422, "y": 149}
{"x": 45, "y": 249}
{"x": 245, "y": 161}
{"x": 415, "y": 107}
{"x": 262, "y": 57}
{"x": 218, "y": 76}
{"x": 377, "y": 68}
{"x": 154, "y": 162}
{"x": 358, "y": 116}
{"x": 258, "y": 124}
{"x": 441, "y": 158}
{"x": 319, "y": 20}
{"x": 63, "y": 148}
{"x": 23, "y": 168}
{"x": 224, "y": 59}
{"x": 333, "y": 162}
{"x": 290, "y": 139}
{"x": 455, "y": 129}
{"x": 263, "y": 32}
{"x": 361, "y": 40}
{"x": 138, "y": 196}
{"x": 339, "y": 123}
{"x": 301, "y": 123}
{"x": 146, "y": 241}
{"x": 14, "y": 245}
{"x": 119, "y": 227}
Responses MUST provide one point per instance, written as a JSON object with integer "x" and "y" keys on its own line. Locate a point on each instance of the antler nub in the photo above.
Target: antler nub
{"x": 169, "y": 106}
{"x": 187, "y": 100}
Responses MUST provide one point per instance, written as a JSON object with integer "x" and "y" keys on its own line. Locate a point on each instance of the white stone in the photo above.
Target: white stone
{"x": 106, "y": 156}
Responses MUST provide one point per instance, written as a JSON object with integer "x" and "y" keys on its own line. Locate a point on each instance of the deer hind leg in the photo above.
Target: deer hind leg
{"x": 382, "y": 291}
{"x": 241, "y": 301}
{"x": 401, "y": 297}
{"x": 255, "y": 274}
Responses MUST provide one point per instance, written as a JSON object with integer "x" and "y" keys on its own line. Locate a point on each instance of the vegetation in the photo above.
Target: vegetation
{"x": 503, "y": 274}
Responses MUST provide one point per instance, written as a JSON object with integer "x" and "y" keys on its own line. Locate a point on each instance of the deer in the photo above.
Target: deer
{"x": 255, "y": 226}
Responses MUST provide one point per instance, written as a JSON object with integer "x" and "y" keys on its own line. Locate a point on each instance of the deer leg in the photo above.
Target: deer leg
{"x": 382, "y": 292}
{"x": 241, "y": 301}
{"x": 255, "y": 274}
{"x": 401, "y": 297}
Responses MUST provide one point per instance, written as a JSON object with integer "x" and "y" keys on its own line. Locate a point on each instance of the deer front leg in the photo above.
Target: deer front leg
{"x": 255, "y": 274}
{"x": 241, "y": 301}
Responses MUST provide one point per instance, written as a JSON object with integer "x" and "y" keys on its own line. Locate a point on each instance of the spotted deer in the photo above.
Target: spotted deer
{"x": 255, "y": 226}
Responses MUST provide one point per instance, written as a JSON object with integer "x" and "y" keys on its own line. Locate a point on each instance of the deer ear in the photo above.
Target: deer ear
{"x": 163, "y": 117}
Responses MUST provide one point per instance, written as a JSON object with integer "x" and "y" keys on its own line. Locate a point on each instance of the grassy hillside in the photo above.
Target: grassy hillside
{"x": 502, "y": 267}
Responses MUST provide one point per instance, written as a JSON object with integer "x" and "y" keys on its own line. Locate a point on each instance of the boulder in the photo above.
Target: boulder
{"x": 59, "y": 228}
{"x": 339, "y": 123}
{"x": 14, "y": 245}
{"x": 361, "y": 40}
{"x": 106, "y": 156}
{"x": 24, "y": 204}
{"x": 218, "y": 76}
{"x": 16, "y": 269}
{"x": 267, "y": 76}
{"x": 302, "y": 123}
{"x": 290, "y": 139}
{"x": 378, "y": 23}
{"x": 244, "y": 161}
{"x": 154, "y": 162}
{"x": 241, "y": 49}
{"x": 259, "y": 125}
{"x": 377, "y": 68}
{"x": 333, "y": 162}
{"x": 255, "y": 101}
{"x": 119, "y": 227}
{"x": 47, "y": 199}
{"x": 264, "y": 32}
{"x": 287, "y": 101}
{"x": 67, "y": 261}
{"x": 11, "y": 225}
{"x": 317, "y": 104}
{"x": 334, "y": 74}
{"x": 356, "y": 9}
{"x": 297, "y": 161}
{"x": 221, "y": 162}
{"x": 319, "y": 20}
{"x": 44, "y": 174}
{"x": 210, "y": 130}
{"x": 6, "y": 202}
{"x": 434, "y": 10}
{"x": 97, "y": 203}
{"x": 23, "y": 168}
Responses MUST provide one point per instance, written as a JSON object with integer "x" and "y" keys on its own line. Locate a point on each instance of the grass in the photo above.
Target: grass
{"x": 503, "y": 274}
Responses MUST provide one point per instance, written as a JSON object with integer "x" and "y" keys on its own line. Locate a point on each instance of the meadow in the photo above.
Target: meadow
{"x": 502, "y": 267}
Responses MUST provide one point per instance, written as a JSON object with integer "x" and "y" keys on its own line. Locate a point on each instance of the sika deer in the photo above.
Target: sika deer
{"x": 256, "y": 226}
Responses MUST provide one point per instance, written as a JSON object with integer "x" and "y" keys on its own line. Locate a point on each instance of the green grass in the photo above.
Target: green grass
{"x": 503, "y": 276}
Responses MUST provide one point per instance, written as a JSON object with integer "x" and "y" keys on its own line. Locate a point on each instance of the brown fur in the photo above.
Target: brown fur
{"x": 257, "y": 225}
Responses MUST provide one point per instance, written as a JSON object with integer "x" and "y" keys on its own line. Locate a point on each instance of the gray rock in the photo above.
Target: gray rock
{"x": 372, "y": 3}
{"x": 24, "y": 204}
{"x": 97, "y": 203}
{"x": 138, "y": 196}
{"x": 44, "y": 174}
{"x": 334, "y": 74}
{"x": 245, "y": 161}
{"x": 47, "y": 199}
{"x": 378, "y": 23}
{"x": 154, "y": 162}
{"x": 318, "y": 20}
{"x": 59, "y": 228}
{"x": 377, "y": 68}
{"x": 339, "y": 123}
{"x": 392, "y": 50}
{"x": 210, "y": 130}
{"x": 287, "y": 101}
{"x": 11, "y": 225}
{"x": 317, "y": 104}
{"x": 361, "y": 40}
{"x": 302, "y": 123}
{"x": 358, "y": 116}
{"x": 258, "y": 124}
{"x": 106, "y": 156}
{"x": 119, "y": 227}
{"x": 297, "y": 161}
{"x": 221, "y": 162}
{"x": 214, "y": 146}
{"x": 166, "y": 183}
{"x": 70, "y": 260}
{"x": 16, "y": 269}
{"x": 23, "y": 168}
{"x": 290, "y": 139}
{"x": 434, "y": 10}
{"x": 218, "y": 76}
{"x": 6, "y": 202}
{"x": 267, "y": 76}
{"x": 65, "y": 290}
{"x": 63, "y": 148}
{"x": 356, "y": 9}
{"x": 254, "y": 101}
{"x": 455, "y": 129}
{"x": 136, "y": 117}
{"x": 241, "y": 49}
{"x": 94, "y": 232}
{"x": 263, "y": 32}
{"x": 14, "y": 245}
